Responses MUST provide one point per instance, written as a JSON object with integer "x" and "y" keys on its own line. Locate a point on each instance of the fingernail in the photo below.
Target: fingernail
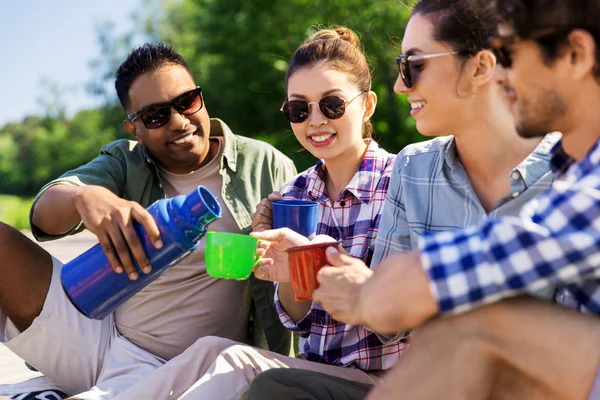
{"x": 119, "y": 270}
{"x": 331, "y": 250}
{"x": 158, "y": 244}
{"x": 133, "y": 276}
{"x": 147, "y": 269}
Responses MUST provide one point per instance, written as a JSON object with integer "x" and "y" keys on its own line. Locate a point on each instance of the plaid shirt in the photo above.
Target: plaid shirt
{"x": 353, "y": 219}
{"x": 430, "y": 191}
{"x": 556, "y": 241}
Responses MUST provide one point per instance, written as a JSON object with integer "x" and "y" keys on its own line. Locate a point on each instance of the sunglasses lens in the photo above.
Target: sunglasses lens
{"x": 332, "y": 107}
{"x": 157, "y": 116}
{"x": 404, "y": 69}
{"x": 296, "y": 111}
{"x": 188, "y": 103}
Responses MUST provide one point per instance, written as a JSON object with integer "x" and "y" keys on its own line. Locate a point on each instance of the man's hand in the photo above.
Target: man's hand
{"x": 393, "y": 298}
{"x": 397, "y": 297}
{"x": 111, "y": 219}
{"x": 262, "y": 218}
{"x": 273, "y": 266}
{"x": 339, "y": 285}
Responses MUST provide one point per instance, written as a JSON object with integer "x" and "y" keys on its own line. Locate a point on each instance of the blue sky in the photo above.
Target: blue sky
{"x": 53, "y": 40}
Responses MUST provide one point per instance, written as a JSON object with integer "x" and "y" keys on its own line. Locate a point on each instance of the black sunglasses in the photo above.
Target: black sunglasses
{"x": 155, "y": 116}
{"x": 332, "y": 107}
{"x": 410, "y": 72}
{"x": 500, "y": 45}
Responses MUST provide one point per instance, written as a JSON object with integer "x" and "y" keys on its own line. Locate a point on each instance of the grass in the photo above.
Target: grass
{"x": 14, "y": 211}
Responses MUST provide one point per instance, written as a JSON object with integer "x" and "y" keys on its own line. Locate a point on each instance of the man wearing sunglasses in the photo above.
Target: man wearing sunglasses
{"x": 496, "y": 339}
{"x": 176, "y": 147}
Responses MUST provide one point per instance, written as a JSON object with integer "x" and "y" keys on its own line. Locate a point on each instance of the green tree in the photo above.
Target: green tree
{"x": 238, "y": 51}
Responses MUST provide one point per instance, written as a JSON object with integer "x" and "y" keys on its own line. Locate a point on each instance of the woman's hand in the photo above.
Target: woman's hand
{"x": 273, "y": 266}
{"x": 262, "y": 218}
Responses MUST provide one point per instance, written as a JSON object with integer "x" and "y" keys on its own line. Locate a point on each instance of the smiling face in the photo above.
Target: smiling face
{"x": 435, "y": 101}
{"x": 536, "y": 100}
{"x": 180, "y": 146}
{"x": 330, "y": 139}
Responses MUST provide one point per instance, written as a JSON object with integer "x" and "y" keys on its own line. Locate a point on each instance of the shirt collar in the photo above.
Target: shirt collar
{"x": 530, "y": 169}
{"x": 585, "y": 166}
{"x": 536, "y": 164}
{"x": 230, "y": 150}
{"x": 449, "y": 152}
{"x": 363, "y": 183}
{"x": 560, "y": 162}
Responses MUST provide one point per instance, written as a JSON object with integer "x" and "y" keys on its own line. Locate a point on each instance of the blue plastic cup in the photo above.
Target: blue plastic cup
{"x": 301, "y": 216}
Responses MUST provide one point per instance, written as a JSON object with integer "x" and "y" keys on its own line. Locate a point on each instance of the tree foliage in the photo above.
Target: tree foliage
{"x": 238, "y": 51}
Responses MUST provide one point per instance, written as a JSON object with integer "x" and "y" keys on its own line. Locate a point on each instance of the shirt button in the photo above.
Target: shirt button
{"x": 515, "y": 175}
{"x": 515, "y": 194}
{"x": 342, "y": 203}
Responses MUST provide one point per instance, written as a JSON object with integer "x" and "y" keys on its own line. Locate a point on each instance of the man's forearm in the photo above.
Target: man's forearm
{"x": 397, "y": 296}
{"x": 55, "y": 212}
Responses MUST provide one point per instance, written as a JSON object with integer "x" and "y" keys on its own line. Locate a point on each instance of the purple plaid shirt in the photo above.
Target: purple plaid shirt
{"x": 353, "y": 219}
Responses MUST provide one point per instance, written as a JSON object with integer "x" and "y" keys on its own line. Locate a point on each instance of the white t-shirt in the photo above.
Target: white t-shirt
{"x": 185, "y": 303}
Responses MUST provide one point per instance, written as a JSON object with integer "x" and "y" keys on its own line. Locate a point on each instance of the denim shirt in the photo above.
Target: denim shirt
{"x": 430, "y": 192}
{"x": 251, "y": 170}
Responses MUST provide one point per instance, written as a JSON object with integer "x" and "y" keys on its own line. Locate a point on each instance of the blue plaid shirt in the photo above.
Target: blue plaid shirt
{"x": 353, "y": 219}
{"x": 556, "y": 241}
{"x": 430, "y": 191}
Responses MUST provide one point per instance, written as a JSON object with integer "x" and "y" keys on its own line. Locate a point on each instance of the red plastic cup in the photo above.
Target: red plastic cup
{"x": 305, "y": 262}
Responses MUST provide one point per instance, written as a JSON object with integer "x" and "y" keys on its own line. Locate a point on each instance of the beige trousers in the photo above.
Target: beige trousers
{"x": 220, "y": 369}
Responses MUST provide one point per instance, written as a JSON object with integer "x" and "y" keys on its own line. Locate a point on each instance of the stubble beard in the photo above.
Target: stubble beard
{"x": 538, "y": 118}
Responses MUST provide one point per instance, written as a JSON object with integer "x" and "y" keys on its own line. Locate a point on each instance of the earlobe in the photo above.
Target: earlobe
{"x": 485, "y": 67}
{"x": 132, "y": 130}
{"x": 370, "y": 105}
{"x": 582, "y": 53}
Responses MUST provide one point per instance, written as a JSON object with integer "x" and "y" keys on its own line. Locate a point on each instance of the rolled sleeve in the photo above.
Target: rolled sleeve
{"x": 104, "y": 170}
{"x": 302, "y": 327}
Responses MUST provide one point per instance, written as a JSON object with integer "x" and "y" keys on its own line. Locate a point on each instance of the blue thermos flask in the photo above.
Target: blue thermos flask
{"x": 96, "y": 289}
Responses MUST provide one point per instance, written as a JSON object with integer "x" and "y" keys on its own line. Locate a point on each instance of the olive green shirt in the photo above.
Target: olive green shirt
{"x": 250, "y": 169}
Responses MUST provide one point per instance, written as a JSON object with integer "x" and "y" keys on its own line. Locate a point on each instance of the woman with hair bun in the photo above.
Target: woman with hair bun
{"x": 481, "y": 166}
{"x": 329, "y": 104}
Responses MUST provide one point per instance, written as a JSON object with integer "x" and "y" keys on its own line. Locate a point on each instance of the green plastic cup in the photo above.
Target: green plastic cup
{"x": 230, "y": 255}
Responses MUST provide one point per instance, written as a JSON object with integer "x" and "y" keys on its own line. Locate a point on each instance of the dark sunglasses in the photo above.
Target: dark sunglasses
{"x": 500, "y": 45}
{"x": 409, "y": 72}
{"x": 332, "y": 107}
{"x": 155, "y": 116}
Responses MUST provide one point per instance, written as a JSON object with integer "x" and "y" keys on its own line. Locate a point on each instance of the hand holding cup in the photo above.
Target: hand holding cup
{"x": 273, "y": 266}
{"x": 262, "y": 218}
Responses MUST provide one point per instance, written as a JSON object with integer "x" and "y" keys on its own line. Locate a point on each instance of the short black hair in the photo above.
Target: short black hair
{"x": 528, "y": 16}
{"x": 147, "y": 57}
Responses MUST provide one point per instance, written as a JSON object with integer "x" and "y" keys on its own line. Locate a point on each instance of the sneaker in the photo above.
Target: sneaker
{"x": 42, "y": 395}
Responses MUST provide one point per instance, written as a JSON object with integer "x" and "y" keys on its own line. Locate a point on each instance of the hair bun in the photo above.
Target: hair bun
{"x": 343, "y": 33}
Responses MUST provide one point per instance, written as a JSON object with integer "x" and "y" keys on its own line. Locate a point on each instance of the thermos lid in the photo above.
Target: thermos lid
{"x": 203, "y": 205}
